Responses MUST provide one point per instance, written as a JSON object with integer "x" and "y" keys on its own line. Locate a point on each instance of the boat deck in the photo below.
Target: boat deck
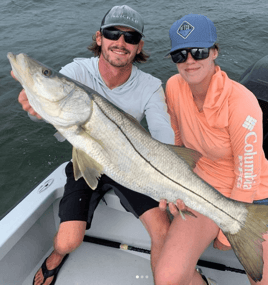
{"x": 27, "y": 239}
{"x": 98, "y": 265}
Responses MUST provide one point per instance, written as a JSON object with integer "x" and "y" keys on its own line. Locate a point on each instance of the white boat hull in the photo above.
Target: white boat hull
{"x": 27, "y": 239}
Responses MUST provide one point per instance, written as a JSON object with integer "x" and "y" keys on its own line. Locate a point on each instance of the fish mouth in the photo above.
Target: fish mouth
{"x": 14, "y": 65}
{"x": 10, "y": 55}
{"x": 12, "y": 58}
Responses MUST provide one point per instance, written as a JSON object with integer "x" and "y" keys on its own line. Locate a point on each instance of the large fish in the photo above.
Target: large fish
{"x": 107, "y": 140}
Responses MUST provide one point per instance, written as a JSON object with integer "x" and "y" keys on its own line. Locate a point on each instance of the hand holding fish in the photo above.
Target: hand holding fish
{"x": 23, "y": 100}
{"x": 217, "y": 244}
{"x": 179, "y": 209}
{"x": 175, "y": 209}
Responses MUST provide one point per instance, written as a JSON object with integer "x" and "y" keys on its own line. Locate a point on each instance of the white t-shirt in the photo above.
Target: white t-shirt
{"x": 141, "y": 95}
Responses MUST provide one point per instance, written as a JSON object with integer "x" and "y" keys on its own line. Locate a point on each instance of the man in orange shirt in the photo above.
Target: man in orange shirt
{"x": 222, "y": 120}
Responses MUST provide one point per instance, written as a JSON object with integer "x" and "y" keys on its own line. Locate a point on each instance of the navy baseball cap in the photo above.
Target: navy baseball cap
{"x": 192, "y": 31}
{"x": 123, "y": 16}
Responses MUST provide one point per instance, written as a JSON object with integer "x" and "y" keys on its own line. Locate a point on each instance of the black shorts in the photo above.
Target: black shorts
{"x": 79, "y": 201}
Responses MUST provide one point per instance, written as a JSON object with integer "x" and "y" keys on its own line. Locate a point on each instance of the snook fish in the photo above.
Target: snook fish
{"x": 107, "y": 140}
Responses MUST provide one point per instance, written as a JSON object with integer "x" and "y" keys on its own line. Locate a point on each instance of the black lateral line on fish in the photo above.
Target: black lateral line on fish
{"x": 160, "y": 171}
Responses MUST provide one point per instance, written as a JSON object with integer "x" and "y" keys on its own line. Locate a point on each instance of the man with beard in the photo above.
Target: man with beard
{"x": 117, "y": 45}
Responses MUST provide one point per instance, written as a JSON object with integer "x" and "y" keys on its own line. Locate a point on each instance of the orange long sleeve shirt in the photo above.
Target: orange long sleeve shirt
{"x": 228, "y": 133}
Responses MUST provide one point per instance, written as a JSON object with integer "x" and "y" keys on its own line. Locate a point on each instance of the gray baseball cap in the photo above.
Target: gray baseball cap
{"x": 123, "y": 16}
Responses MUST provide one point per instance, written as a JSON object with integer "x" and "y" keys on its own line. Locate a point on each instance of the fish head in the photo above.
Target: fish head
{"x": 55, "y": 97}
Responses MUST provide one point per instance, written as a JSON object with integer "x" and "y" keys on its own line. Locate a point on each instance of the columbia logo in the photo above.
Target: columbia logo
{"x": 249, "y": 123}
{"x": 185, "y": 29}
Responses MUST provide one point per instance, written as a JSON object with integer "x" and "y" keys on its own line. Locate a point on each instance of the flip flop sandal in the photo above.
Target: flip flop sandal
{"x": 54, "y": 272}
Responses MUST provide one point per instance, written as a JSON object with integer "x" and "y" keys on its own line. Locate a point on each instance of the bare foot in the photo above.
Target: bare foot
{"x": 52, "y": 262}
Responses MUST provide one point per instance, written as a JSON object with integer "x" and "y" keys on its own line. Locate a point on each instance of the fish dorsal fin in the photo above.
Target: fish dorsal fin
{"x": 188, "y": 155}
{"x": 87, "y": 167}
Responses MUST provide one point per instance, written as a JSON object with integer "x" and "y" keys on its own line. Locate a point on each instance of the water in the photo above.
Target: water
{"x": 54, "y": 32}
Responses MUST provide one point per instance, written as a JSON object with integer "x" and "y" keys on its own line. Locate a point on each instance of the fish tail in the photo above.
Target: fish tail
{"x": 247, "y": 243}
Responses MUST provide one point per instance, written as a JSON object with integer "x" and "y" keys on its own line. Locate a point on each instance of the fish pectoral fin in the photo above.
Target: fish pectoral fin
{"x": 190, "y": 156}
{"x": 77, "y": 173}
{"x": 87, "y": 167}
{"x": 59, "y": 137}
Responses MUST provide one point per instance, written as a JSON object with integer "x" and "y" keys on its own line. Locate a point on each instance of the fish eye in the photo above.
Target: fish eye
{"x": 46, "y": 72}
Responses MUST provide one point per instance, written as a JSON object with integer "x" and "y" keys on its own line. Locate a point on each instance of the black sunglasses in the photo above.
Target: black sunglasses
{"x": 181, "y": 55}
{"x": 114, "y": 34}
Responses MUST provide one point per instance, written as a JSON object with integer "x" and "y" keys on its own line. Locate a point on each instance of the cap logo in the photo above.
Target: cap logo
{"x": 125, "y": 17}
{"x": 185, "y": 30}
